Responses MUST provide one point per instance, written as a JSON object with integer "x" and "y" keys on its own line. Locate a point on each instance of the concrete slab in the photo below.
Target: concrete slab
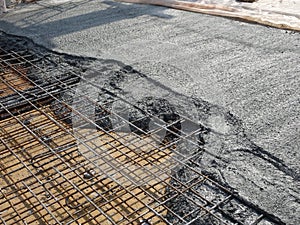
{"x": 250, "y": 70}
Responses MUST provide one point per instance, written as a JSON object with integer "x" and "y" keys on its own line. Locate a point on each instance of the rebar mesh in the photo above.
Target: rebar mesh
{"x": 62, "y": 163}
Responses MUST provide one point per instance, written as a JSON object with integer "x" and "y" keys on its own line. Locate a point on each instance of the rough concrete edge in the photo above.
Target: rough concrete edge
{"x": 241, "y": 198}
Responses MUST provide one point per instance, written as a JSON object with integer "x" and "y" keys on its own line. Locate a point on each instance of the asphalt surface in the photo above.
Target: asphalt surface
{"x": 252, "y": 71}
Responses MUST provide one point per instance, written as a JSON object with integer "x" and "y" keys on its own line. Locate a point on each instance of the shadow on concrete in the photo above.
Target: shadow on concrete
{"x": 51, "y": 21}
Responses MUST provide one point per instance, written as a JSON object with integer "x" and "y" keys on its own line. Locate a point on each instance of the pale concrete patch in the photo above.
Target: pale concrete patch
{"x": 280, "y": 14}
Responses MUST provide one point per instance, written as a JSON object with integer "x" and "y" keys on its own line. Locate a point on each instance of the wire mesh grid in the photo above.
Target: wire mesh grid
{"x": 60, "y": 165}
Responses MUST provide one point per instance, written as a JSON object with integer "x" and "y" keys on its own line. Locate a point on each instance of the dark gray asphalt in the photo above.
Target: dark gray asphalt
{"x": 251, "y": 70}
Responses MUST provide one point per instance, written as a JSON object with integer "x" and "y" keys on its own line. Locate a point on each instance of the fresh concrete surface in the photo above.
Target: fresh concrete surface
{"x": 253, "y": 71}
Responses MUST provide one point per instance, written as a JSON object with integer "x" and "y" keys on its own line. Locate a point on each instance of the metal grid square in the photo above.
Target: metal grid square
{"x": 64, "y": 164}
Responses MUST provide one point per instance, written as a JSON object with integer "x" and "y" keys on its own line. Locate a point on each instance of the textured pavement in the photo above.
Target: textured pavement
{"x": 250, "y": 70}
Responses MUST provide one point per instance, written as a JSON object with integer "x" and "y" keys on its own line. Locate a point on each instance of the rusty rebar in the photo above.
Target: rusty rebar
{"x": 52, "y": 173}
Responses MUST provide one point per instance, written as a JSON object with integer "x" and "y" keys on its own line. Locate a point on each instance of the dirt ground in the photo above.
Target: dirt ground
{"x": 35, "y": 189}
{"x": 12, "y": 80}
